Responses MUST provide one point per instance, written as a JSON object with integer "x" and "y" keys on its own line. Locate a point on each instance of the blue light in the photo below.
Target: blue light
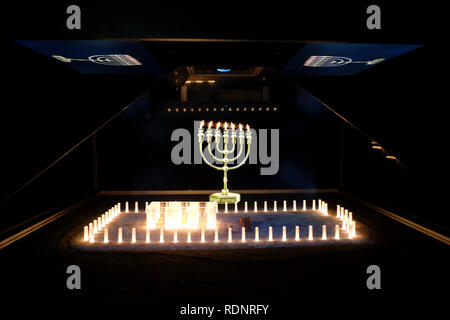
{"x": 223, "y": 69}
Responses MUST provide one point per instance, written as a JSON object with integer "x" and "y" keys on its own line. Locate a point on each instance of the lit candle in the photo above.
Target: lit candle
{"x": 344, "y": 226}
{"x": 284, "y": 234}
{"x": 189, "y": 240}
{"x": 118, "y": 207}
{"x": 275, "y": 206}
{"x": 245, "y": 206}
{"x": 350, "y": 217}
{"x": 270, "y": 234}
{"x": 297, "y": 233}
{"x": 338, "y": 211}
{"x": 353, "y": 229}
{"x": 126, "y": 207}
{"x": 342, "y": 213}
{"x": 209, "y": 132}
{"x": 304, "y": 205}
{"x": 314, "y": 204}
{"x": 119, "y": 235}
{"x": 95, "y": 226}
{"x": 133, "y": 235}
{"x": 294, "y": 205}
{"x": 216, "y": 235}
{"x": 92, "y": 238}
{"x": 233, "y": 133}
{"x": 310, "y": 231}
{"x": 202, "y": 239}
{"x": 243, "y": 234}
{"x": 226, "y": 207}
{"x": 225, "y": 133}
{"x": 230, "y": 235}
{"x": 249, "y": 135}
{"x": 105, "y": 235}
{"x": 256, "y": 234}
{"x": 103, "y": 220}
{"x": 326, "y": 209}
{"x": 255, "y": 206}
{"x": 86, "y": 233}
{"x": 235, "y": 207}
{"x": 99, "y": 223}
{"x": 336, "y": 235}
{"x": 161, "y": 235}
{"x": 241, "y": 134}
{"x": 136, "y": 207}
{"x": 320, "y": 205}
{"x": 265, "y": 206}
{"x": 284, "y": 205}
{"x": 324, "y": 232}
{"x": 147, "y": 236}
{"x": 175, "y": 236}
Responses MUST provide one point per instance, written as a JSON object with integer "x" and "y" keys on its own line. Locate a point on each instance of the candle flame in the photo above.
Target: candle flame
{"x": 210, "y": 124}
{"x": 232, "y": 126}
{"x": 225, "y": 125}
{"x": 240, "y": 126}
{"x": 218, "y": 124}
{"x": 248, "y": 128}
{"x": 202, "y": 124}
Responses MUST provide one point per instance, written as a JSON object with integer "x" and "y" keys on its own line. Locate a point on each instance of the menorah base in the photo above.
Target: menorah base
{"x": 222, "y": 198}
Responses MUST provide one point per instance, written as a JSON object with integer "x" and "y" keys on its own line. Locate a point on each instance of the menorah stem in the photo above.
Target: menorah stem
{"x": 225, "y": 182}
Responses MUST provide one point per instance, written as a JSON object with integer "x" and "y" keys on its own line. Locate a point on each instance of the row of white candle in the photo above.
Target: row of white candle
{"x": 91, "y": 238}
{"x": 322, "y": 207}
{"x": 346, "y": 217}
{"x": 101, "y": 222}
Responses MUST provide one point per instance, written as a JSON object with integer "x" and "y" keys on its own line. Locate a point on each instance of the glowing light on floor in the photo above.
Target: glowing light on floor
{"x": 86, "y": 233}
{"x": 105, "y": 235}
{"x": 324, "y": 232}
{"x": 265, "y": 206}
{"x": 270, "y": 234}
{"x": 275, "y": 206}
{"x": 119, "y": 235}
{"x": 294, "y": 205}
{"x": 336, "y": 234}
{"x": 243, "y": 234}
{"x": 147, "y": 236}
{"x": 284, "y": 234}
{"x": 230, "y": 234}
{"x": 297, "y": 233}
{"x": 310, "y": 233}
{"x": 256, "y": 234}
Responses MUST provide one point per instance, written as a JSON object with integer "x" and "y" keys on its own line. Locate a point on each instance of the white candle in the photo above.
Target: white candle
{"x": 103, "y": 220}
{"x": 243, "y": 234}
{"x": 256, "y": 234}
{"x": 342, "y": 213}
{"x": 136, "y": 206}
{"x": 235, "y": 207}
{"x": 105, "y": 235}
{"x": 338, "y": 211}
{"x": 118, "y": 207}
{"x": 275, "y": 206}
{"x": 265, "y": 206}
{"x": 95, "y": 226}
{"x": 284, "y": 234}
{"x": 310, "y": 235}
{"x": 189, "y": 240}
{"x": 304, "y": 205}
{"x": 270, "y": 234}
{"x": 161, "y": 235}
{"x": 216, "y": 235}
{"x": 354, "y": 229}
{"x": 230, "y": 235}
{"x": 92, "y": 238}
{"x": 147, "y": 236}
{"x": 126, "y": 207}
{"x": 86, "y": 233}
{"x": 350, "y": 217}
{"x": 175, "y": 236}
{"x": 344, "y": 226}
{"x": 255, "y": 206}
{"x": 202, "y": 239}
{"x": 133, "y": 235}
{"x": 320, "y": 205}
{"x": 119, "y": 235}
{"x": 336, "y": 235}
{"x": 245, "y": 206}
{"x": 324, "y": 232}
{"x": 297, "y": 233}
{"x": 294, "y": 205}
{"x": 284, "y": 205}
{"x": 226, "y": 207}
{"x": 99, "y": 223}
{"x": 314, "y": 204}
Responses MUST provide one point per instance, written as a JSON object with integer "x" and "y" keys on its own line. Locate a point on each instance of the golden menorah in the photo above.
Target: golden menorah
{"x": 223, "y": 137}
